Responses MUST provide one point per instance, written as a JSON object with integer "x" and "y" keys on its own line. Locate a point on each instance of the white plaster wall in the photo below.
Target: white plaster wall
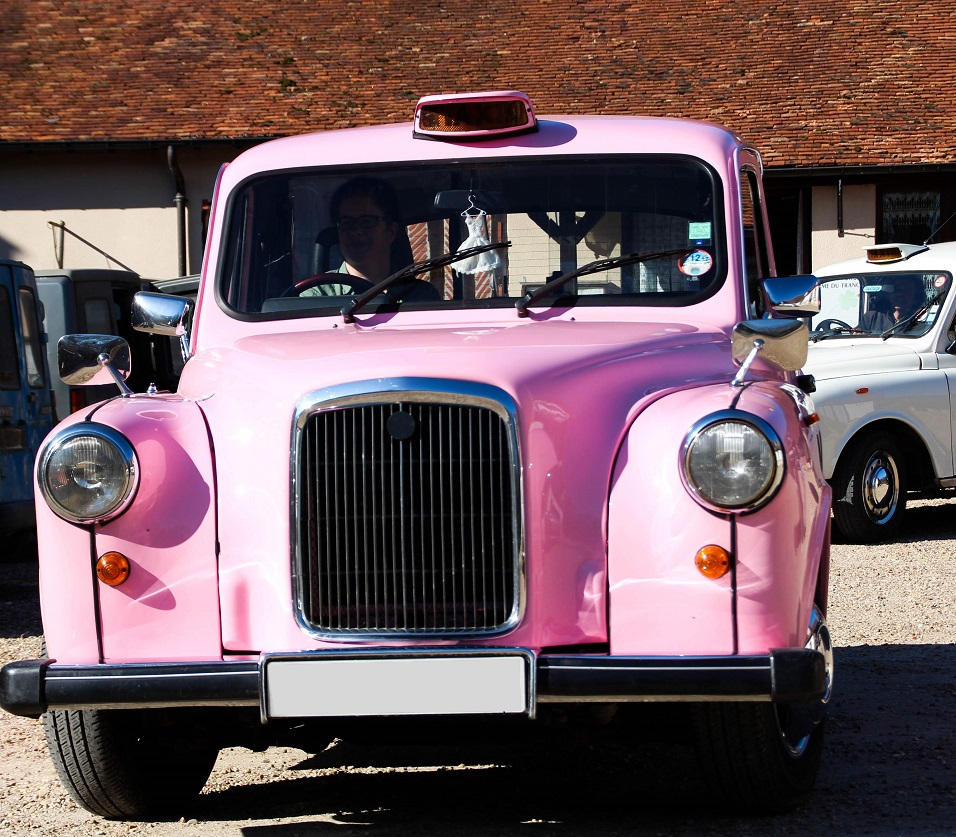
{"x": 140, "y": 239}
{"x": 122, "y": 202}
{"x": 859, "y": 223}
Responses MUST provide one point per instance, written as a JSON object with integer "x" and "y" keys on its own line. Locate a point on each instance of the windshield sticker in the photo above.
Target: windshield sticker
{"x": 699, "y": 232}
{"x": 939, "y": 282}
{"x": 875, "y": 289}
{"x": 696, "y": 263}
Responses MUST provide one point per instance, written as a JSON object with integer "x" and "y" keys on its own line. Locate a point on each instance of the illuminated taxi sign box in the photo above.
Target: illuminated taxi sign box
{"x": 474, "y": 115}
{"x": 882, "y": 253}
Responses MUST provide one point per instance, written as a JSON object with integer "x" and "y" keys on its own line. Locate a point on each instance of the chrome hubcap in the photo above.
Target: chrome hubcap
{"x": 796, "y": 722}
{"x": 880, "y": 487}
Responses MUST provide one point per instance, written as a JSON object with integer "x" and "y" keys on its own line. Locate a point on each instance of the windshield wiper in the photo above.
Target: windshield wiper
{"x": 354, "y": 306}
{"x": 902, "y": 325}
{"x": 591, "y": 267}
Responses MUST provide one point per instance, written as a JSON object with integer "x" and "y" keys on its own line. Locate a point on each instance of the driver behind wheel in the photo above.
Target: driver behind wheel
{"x": 878, "y": 317}
{"x": 373, "y": 243}
{"x": 893, "y": 304}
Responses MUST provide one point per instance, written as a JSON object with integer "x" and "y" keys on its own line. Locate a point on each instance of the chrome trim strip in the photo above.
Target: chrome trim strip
{"x": 422, "y": 390}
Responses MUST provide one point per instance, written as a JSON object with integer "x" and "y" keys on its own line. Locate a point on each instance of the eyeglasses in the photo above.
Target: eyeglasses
{"x": 362, "y": 222}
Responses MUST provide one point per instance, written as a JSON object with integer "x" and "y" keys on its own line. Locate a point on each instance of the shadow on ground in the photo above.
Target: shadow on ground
{"x": 888, "y": 769}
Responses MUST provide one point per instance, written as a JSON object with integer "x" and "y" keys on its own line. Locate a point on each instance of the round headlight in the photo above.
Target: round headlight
{"x": 88, "y": 473}
{"x": 732, "y": 461}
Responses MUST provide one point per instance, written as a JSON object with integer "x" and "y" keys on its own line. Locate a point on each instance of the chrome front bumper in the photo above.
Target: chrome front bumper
{"x": 790, "y": 675}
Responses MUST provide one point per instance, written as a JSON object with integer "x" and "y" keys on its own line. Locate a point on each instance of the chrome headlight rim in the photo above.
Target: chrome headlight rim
{"x": 130, "y": 479}
{"x": 769, "y": 490}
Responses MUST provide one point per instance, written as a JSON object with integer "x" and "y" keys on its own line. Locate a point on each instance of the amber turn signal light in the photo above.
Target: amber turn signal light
{"x": 112, "y": 568}
{"x": 712, "y": 561}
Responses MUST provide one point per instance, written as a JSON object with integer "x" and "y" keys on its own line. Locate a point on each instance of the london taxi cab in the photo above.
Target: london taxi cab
{"x": 557, "y": 458}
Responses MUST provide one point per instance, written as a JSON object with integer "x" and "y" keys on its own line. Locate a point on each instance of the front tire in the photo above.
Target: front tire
{"x": 763, "y": 758}
{"x": 747, "y": 758}
{"x": 869, "y": 490}
{"x": 129, "y": 763}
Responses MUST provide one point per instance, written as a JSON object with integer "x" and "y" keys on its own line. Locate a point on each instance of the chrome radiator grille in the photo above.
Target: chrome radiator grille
{"x": 407, "y": 522}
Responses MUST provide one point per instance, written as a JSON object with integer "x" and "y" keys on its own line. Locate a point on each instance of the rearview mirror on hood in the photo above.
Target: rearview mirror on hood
{"x": 162, "y": 314}
{"x": 93, "y": 359}
{"x": 784, "y": 342}
{"x": 792, "y": 296}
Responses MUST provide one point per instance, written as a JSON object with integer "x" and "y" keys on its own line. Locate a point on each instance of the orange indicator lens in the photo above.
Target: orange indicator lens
{"x": 712, "y": 561}
{"x": 112, "y": 568}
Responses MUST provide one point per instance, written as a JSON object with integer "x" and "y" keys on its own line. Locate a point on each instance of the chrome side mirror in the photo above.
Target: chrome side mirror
{"x": 792, "y": 296}
{"x": 783, "y": 343}
{"x": 94, "y": 359}
{"x": 163, "y": 314}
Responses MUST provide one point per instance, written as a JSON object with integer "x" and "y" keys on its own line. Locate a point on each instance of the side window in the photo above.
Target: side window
{"x": 756, "y": 262}
{"x": 32, "y": 338}
{"x": 9, "y": 357}
{"x": 96, "y": 312}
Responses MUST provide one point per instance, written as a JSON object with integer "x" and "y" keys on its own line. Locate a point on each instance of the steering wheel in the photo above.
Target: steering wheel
{"x": 831, "y": 325}
{"x": 329, "y": 284}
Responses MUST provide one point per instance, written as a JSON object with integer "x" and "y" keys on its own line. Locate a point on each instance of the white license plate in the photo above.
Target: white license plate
{"x": 443, "y": 685}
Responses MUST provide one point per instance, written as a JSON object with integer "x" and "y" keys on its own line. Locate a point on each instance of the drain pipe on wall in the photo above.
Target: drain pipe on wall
{"x": 840, "y": 231}
{"x": 180, "y": 201}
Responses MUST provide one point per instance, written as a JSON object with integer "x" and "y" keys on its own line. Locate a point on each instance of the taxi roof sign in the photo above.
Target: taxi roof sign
{"x": 460, "y": 116}
{"x": 883, "y": 253}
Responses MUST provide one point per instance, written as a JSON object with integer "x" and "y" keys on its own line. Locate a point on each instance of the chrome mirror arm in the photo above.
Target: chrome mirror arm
{"x": 747, "y": 363}
{"x": 107, "y": 364}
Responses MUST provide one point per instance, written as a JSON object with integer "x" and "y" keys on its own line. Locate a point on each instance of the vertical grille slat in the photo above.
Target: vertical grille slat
{"x": 407, "y": 523}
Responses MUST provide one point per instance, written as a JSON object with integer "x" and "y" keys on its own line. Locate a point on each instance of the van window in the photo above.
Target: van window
{"x": 32, "y": 338}
{"x": 97, "y": 312}
{"x": 9, "y": 360}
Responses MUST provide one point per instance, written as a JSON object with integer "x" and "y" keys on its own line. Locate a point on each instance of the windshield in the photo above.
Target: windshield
{"x": 880, "y": 305}
{"x": 304, "y": 243}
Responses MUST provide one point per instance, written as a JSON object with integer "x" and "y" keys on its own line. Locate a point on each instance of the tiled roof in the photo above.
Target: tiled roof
{"x": 810, "y": 83}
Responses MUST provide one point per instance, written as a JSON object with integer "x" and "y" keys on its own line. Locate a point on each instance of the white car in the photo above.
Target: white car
{"x": 883, "y": 356}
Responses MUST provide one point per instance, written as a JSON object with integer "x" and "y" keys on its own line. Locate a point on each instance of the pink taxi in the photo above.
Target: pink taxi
{"x": 483, "y": 418}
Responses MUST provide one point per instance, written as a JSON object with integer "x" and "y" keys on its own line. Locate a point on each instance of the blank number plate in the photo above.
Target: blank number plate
{"x": 443, "y": 685}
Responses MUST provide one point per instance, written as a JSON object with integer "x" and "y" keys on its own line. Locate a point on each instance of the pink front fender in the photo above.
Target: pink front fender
{"x": 783, "y": 549}
{"x": 659, "y": 602}
{"x": 167, "y": 609}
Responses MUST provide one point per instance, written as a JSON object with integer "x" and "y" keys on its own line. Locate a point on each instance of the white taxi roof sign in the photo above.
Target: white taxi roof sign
{"x": 883, "y": 253}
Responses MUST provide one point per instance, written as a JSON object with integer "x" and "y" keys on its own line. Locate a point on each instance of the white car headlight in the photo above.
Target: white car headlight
{"x": 88, "y": 473}
{"x": 732, "y": 461}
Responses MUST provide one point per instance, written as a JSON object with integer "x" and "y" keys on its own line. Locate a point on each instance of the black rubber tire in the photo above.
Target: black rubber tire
{"x": 856, "y": 516}
{"x": 744, "y": 758}
{"x": 130, "y": 763}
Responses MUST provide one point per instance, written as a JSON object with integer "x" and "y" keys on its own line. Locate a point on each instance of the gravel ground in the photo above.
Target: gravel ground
{"x": 888, "y": 766}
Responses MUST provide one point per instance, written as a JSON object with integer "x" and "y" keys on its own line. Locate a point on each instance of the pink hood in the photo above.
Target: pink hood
{"x": 554, "y": 369}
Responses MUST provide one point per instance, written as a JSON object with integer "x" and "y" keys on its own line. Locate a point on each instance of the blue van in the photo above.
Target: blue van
{"x": 26, "y": 403}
